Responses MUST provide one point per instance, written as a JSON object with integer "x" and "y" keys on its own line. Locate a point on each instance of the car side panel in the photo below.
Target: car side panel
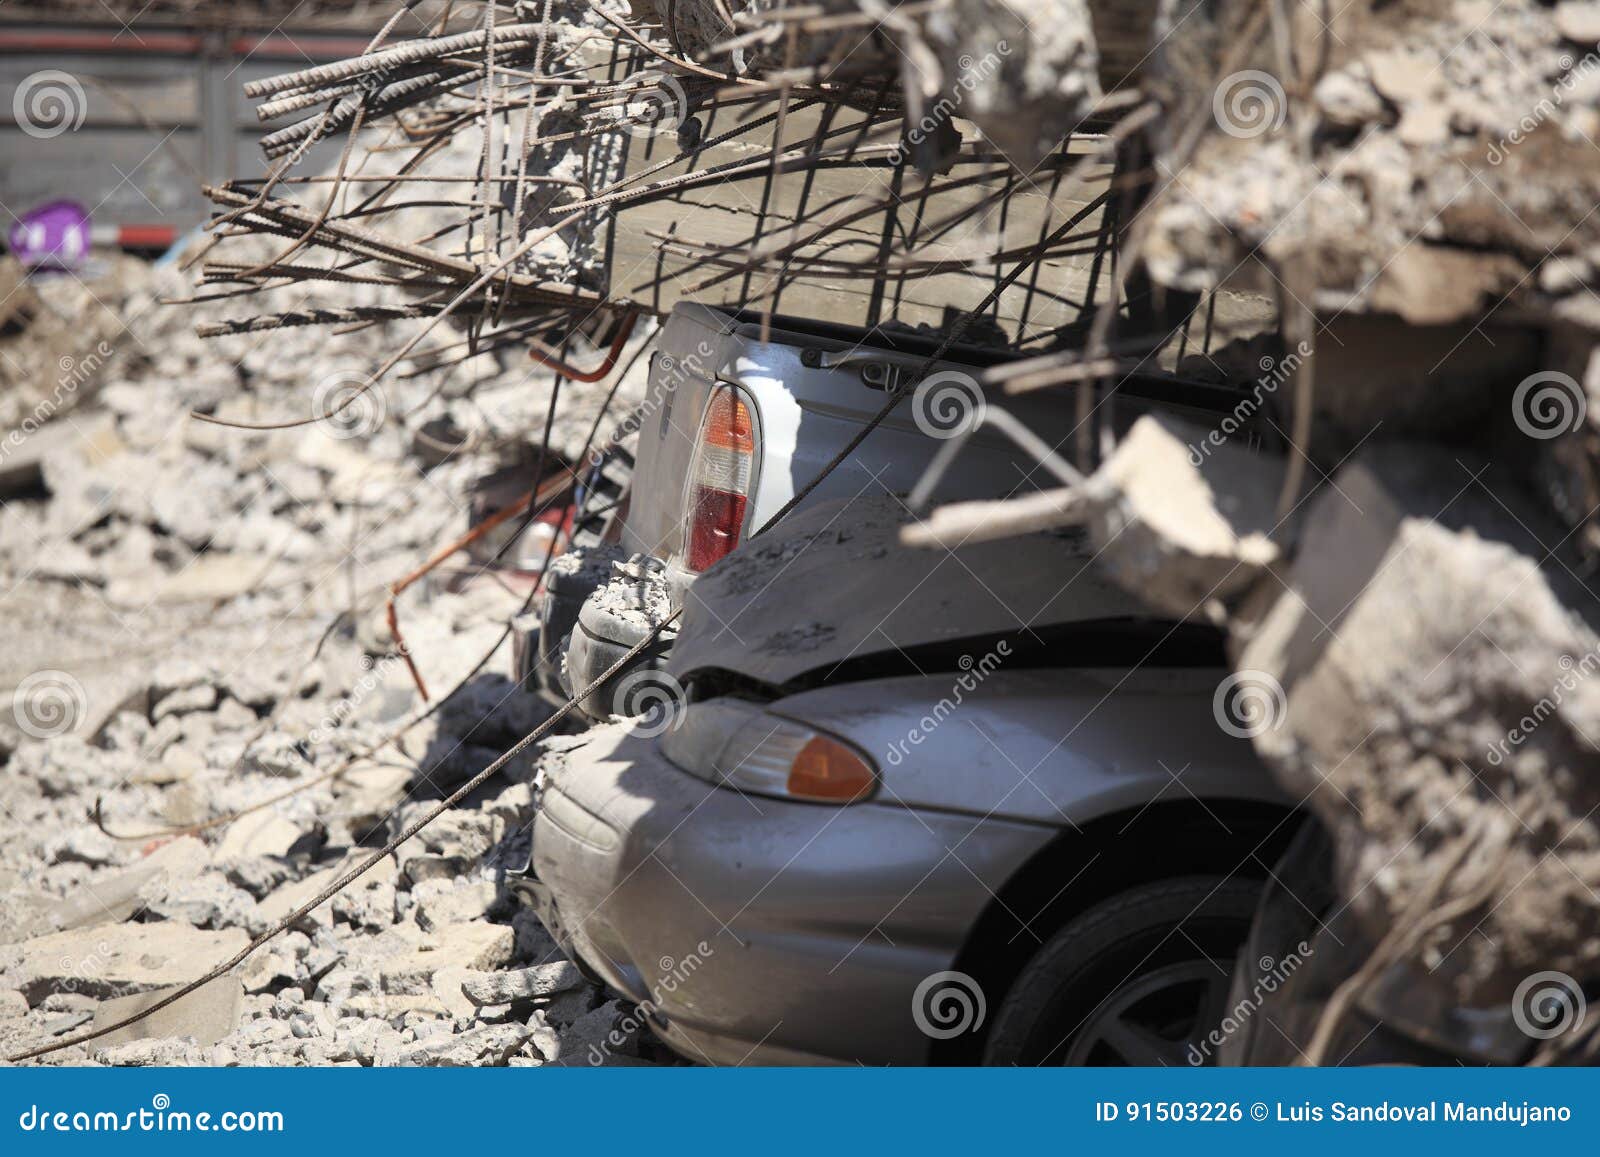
{"x": 808, "y": 927}
{"x": 1055, "y": 747}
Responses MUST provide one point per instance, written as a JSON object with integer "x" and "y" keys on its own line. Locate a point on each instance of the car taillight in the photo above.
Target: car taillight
{"x": 720, "y": 479}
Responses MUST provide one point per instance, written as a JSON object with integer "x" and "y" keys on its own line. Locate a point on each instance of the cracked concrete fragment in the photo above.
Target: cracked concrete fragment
{"x": 1438, "y": 678}
{"x": 1184, "y": 516}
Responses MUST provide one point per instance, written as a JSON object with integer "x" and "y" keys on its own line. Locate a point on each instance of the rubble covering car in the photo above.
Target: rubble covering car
{"x": 738, "y": 417}
{"x": 1012, "y": 784}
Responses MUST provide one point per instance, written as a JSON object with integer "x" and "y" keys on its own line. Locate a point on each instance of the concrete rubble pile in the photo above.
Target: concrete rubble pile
{"x": 1438, "y": 164}
{"x": 169, "y": 585}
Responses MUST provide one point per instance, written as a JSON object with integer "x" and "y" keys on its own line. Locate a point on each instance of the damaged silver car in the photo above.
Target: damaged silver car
{"x": 910, "y": 806}
{"x": 740, "y": 414}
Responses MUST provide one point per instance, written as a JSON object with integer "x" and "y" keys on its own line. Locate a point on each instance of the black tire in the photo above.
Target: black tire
{"x": 1136, "y": 979}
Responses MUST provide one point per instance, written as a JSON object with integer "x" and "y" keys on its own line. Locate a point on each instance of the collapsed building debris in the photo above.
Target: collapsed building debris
{"x": 1406, "y": 580}
{"x": 222, "y": 556}
{"x": 1407, "y": 590}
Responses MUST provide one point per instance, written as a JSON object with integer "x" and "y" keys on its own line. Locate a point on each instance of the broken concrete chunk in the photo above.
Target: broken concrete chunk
{"x": 372, "y": 1037}
{"x": 1347, "y": 100}
{"x": 110, "y": 898}
{"x": 259, "y": 875}
{"x": 446, "y": 985}
{"x": 395, "y": 1008}
{"x": 264, "y": 833}
{"x": 522, "y": 985}
{"x": 566, "y": 1008}
{"x": 118, "y": 961}
{"x": 231, "y": 715}
{"x": 1435, "y": 689}
{"x": 201, "y": 697}
{"x": 162, "y": 1053}
{"x": 375, "y": 886}
{"x": 83, "y": 437}
{"x": 85, "y": 846}
{"x": 369, "y": 901}
{"x": 451, "y": 846}
{"x": 210, "y": 578}
{"x": 204, "y": 1017}
{"x": 1430, "y": 284}
{"x": 477, "y": 946}
{"x": 369, "y": 792}
{"x": 514, "y": 806}
{"x": 205, "y": 900}
{"x": 69, "y": 1002}
{"x": 1404, "y": 76}
{"x": 268, "y": 971}
{"x": 1184, "y": 515}
{"x": 492, "y": 1044}
{"x": 544, "y": 1045}
{"x": 1025, "y": 71}
{"x": 426, "y": 866}
{"x": 441, "y": 902}
{"x": 276, "y": 754}
{"x": 1579, "y": 21}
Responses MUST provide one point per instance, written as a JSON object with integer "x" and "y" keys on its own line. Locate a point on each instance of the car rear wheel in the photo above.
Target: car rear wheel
{"x": 1135, "y": 980}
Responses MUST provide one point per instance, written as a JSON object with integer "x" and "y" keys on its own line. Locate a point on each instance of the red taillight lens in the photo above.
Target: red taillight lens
{"x": 718, "y": 517}
{"x": 720, "y": 485}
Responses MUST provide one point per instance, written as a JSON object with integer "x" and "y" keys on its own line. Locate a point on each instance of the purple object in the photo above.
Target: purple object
{"x": 52, "y": 236}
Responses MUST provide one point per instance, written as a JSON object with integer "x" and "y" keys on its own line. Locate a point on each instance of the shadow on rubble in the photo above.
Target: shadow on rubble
{"x": 476, "y": 727}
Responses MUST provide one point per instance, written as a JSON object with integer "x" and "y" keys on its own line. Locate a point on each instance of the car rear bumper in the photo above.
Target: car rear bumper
{"x": 756, "y": 930}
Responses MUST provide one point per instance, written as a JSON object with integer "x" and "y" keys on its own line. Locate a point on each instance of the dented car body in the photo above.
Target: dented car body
{"x": 740, "y": 415}
{"x": 776, "y": 867}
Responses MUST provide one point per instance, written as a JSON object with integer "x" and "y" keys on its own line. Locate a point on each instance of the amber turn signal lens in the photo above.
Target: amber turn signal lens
{"x": 828, "y": 771}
